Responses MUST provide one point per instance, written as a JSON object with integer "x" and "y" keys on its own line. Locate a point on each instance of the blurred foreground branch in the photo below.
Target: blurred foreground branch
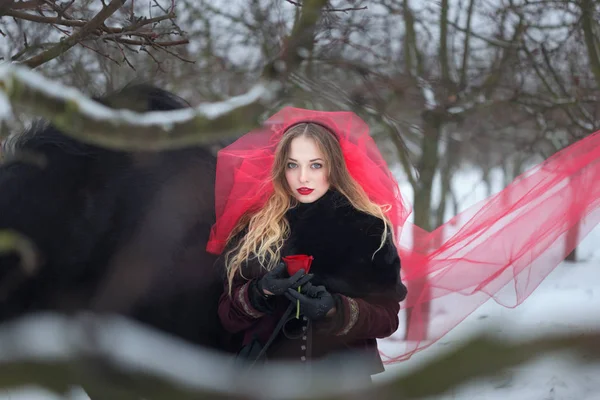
{"x": 86, "y": 120}
{"x": 118, "y": 365}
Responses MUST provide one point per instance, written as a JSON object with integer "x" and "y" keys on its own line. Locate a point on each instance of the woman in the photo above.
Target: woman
{"x": 502, "y": 247}
{"x": 351, "y": 296}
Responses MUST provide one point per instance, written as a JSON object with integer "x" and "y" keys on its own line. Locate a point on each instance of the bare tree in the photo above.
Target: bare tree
{"x": 563, "y": 97}
{"x": 83, "y": 24}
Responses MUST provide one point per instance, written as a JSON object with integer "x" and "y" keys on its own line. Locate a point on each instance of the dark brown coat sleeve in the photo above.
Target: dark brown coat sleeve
{"x": 237, "y": 311}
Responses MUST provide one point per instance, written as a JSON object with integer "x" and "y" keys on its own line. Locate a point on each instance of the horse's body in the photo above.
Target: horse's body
{"x": 117, "y": 231}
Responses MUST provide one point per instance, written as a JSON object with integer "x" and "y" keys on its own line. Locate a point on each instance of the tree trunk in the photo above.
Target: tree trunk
{"x": 588, "y": 8}
{"x": 572, "y": 238}
{"x": 575, "y": 214}
{"x": 417, "y": 328}
{"x": 446, "y": 180}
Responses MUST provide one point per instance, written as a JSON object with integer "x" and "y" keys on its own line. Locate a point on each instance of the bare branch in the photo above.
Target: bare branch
{"x": 147, "y": 42}
{"x": 492, "y": 41}
{"x": 101, "y": 54}
{"x": 72, "y": 40}
{"x": 27, "y": 49}
{"x": 166, "y": 50}
{"x": 591, "y": 42}
{"x": 60, "y": 11}
{"x": 124, "y": 56}
{"x": 58, "y": 20}
{"x": 345, "y": 10}
{"x": 45, "y": 20}
{"x": 158, "y": 63}
{"x": 21, "y": 5}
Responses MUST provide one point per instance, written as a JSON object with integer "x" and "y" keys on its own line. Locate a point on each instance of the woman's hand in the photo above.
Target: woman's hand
{"x": 277, "y": 281}
{"x": 315, "y": 301}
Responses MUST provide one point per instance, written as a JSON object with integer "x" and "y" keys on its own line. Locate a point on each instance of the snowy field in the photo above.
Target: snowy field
{"x": 568, "y": 300}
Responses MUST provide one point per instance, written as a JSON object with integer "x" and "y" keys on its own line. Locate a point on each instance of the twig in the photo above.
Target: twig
{"x": 21, "y": 5}
{"x": 492, "y": 41}
{"x": 158, "y": 63}
{"x": 170, "y": 11}
{"x": 72, "y": 40}
{"x": 61, "y": 30}
{"x": 124, "y": 56}
{"x": 100, "y": 53}
{"x": 145, "y": 42}
{"x": 21, "y": 52}
{"x": 156, "y": 4}
{"x": 60, "y": 11}
{"x": 345, "y": 10}
{"x": 113, "y": 33}
{"x": 166, "y": 50}
{"x": 81, "y": 23}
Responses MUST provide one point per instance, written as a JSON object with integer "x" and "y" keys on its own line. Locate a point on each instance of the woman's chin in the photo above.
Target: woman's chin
{"x": 309, "y": 198}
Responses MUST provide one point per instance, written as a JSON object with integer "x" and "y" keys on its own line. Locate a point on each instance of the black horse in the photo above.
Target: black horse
{"x": 115, "y": 231}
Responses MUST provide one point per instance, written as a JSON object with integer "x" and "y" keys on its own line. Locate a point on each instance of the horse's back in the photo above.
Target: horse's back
{"x": 120, "y": 232}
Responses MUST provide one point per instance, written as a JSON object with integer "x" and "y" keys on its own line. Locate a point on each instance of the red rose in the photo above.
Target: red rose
{"x": 297, "y": 262}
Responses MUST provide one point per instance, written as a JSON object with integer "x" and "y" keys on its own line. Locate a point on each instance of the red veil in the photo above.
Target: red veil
{"x": 502, "y": 247}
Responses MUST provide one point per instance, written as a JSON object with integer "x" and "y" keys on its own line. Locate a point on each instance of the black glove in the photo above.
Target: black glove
{"x": 315, "y": 301}
{"x": 278, "y": 281}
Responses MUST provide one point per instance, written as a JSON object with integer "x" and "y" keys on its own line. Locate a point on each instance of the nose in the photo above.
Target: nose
{"x": 303, "y": 175}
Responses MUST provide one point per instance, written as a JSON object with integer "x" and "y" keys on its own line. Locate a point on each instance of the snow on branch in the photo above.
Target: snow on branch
{"x": 86, "y": 120}
{"x": 115, "y": 358}
{"x": 112, "y": 356}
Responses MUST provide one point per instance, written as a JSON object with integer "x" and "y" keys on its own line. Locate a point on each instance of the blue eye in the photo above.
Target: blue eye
{"x": 316, "y": 166}
{"x": 291, "y": 165}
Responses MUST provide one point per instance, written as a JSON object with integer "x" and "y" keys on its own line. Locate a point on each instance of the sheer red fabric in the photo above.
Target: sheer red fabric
{"x": 500, "y": 248}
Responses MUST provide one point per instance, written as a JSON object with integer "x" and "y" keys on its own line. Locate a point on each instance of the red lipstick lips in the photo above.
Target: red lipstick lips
{"x": 305, "y": 191}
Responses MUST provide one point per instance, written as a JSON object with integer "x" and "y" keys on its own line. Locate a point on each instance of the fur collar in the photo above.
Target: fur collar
{"x": 344, "y": 243}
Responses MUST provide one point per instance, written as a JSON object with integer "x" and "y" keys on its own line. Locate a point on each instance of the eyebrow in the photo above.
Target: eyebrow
{"x": 316, "y": 159}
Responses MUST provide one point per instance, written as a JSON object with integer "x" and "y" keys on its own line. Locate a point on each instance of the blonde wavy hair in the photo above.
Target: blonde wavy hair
{"x": 267, "y": 229}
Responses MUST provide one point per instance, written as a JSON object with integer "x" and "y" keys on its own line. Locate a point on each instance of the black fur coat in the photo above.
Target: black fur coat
{"x": 363, "y": 278}
{"x": 344, "y": 243}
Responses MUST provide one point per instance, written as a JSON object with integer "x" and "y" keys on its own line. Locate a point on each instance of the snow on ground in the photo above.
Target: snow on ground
{"x": 568, "y": 300}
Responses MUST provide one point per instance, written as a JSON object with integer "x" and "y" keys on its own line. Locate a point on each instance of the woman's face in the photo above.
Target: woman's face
{"x": 305, "y": 170}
